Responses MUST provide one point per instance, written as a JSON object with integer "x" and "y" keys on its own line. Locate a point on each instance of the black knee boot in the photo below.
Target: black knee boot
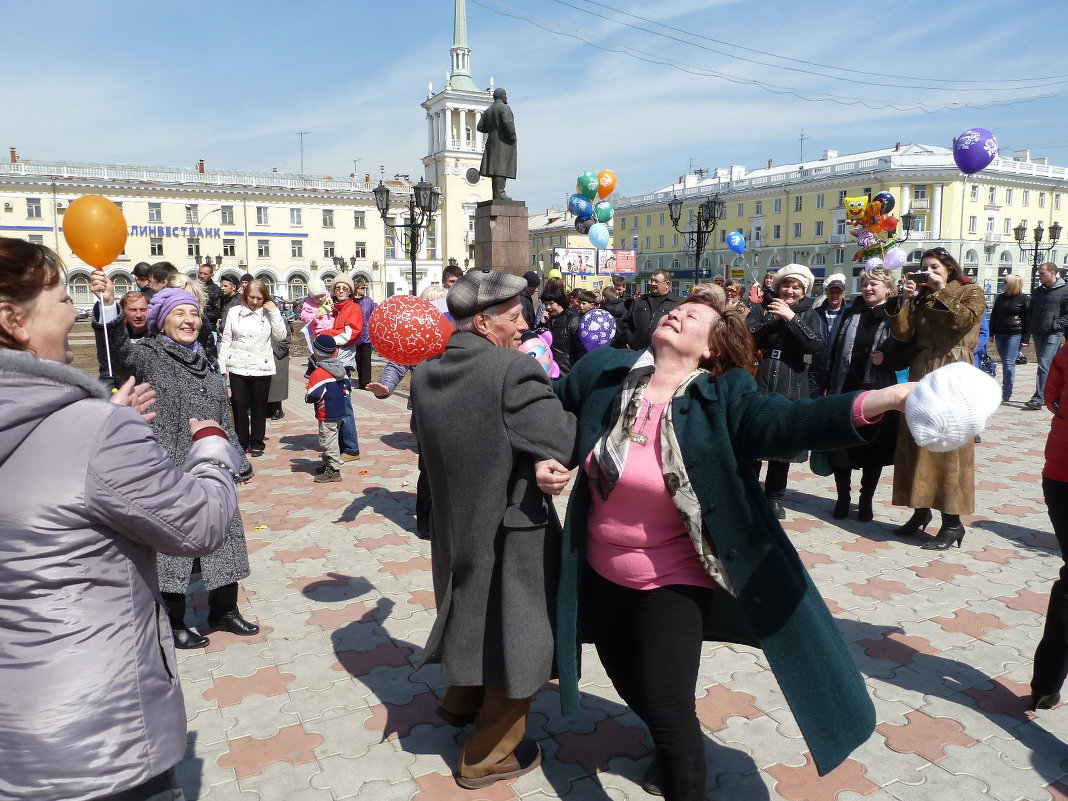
{"x": 842, "y": 484}
{"x": 869, "y": 480}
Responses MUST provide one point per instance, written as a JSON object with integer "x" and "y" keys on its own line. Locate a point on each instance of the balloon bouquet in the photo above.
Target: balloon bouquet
{"x": 591, "y": 208}
{"x": 96, "y": 231}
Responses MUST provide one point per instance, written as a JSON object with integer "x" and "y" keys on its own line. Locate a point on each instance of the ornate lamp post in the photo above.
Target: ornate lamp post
{"x": 709, "y": 213}
{"x": 907, "y": 220}
{"x": 1036, "y": 251}
{"x": 422, "y": 204}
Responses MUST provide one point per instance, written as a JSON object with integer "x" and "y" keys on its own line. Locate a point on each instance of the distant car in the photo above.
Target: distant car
{"x": 85, "y": 314}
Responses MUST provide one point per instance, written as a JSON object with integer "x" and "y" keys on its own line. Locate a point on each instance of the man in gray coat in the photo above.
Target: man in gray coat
{"x": 499, "y": 157}
{"x": 495, "y": 537}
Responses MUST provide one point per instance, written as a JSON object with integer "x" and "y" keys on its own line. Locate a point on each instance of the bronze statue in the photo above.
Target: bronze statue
{"x": 498, "y": 159}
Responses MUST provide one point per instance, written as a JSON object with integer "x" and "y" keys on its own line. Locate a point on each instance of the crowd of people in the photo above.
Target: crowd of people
{"x": 670, "y": 538}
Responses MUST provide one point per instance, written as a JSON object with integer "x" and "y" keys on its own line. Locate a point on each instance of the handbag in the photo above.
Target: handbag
{"x": 987, "y": 364}
{"x": 820, "y": 463}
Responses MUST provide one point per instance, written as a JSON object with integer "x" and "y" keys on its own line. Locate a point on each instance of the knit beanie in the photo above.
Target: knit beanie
{"x": 316, "y": 286}
{"x": 797, "y": 271}
{"x": 344, "y": 279}
{"x": 323, "y": 347}
{"x": 950, "y": 406}
{"x": 163, "y": 303}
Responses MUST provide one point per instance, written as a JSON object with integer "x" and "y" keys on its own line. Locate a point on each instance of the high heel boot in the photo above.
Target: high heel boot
{"x": 842, "y": 485}
{"x": 918, "y": 522}
{"x": 869, "y": 480}
{"x": 951, "y": 533}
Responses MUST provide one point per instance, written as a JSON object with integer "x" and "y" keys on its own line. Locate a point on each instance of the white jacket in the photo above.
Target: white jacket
{"x": 245, "y": 347}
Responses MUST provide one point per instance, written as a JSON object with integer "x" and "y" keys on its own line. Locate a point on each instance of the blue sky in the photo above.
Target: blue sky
{"x": 233, "y": 82}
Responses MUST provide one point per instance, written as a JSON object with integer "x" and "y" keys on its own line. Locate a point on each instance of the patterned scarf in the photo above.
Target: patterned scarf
{"x": 610, "y": 455}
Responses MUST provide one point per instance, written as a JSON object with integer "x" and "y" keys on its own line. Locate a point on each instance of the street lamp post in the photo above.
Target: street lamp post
{"x": 709, "y": 213}
{"x": 422, "y": 204}
{"x": 1036, "y": 250}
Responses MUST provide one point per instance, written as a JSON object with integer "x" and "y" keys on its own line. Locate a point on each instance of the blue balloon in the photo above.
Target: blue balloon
{"x": 596, "y": 329}
{"x": 736, "y": 242}
{"x": 600, "y": 236}
{"x": 974, "y": 149}
{"x": 580, "y": 206}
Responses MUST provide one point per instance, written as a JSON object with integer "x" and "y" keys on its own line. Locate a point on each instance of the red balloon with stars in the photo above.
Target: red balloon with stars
{"x": 406, "y": 329}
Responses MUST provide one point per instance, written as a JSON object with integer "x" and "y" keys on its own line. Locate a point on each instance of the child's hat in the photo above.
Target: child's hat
{"x": 323, "y": 346}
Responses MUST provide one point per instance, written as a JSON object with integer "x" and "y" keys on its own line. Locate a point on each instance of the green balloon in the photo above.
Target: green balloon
{"x": 587, "y": 185}
{"x": 604, "y": 211}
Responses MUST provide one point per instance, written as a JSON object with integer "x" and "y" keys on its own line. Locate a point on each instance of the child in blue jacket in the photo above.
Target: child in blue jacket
{"x": 328, "y": 388}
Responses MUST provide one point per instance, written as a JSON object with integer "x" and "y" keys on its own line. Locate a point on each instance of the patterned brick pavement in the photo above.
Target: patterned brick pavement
{"x": 325, "y": 703}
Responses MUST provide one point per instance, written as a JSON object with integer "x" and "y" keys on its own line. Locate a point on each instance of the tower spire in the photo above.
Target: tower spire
{"x": 460, "y": 53}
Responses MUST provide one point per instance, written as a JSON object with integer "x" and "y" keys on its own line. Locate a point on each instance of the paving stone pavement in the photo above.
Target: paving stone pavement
{"x": 325, "y": 702}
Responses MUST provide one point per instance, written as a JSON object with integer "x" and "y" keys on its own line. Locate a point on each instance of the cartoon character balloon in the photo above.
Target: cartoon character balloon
{"x": 855, "y": 207}
{"x": 541, "y": 348}
{"x": 596, "y": 329}
{"x": 406, "y": 329}
{"x": 974, "y": 149}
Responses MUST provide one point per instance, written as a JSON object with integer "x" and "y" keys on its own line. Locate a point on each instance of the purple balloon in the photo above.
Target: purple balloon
{"x": 596, "y": 329}
{"x": 974, "y": 149}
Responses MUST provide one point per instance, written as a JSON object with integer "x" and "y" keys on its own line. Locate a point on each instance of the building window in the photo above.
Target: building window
{"x": 1042, "y": 200}
{"x": 776, "y": 206}
{"x": 390, "y": 245}
{"x": 660, "y": 242}
{"x": 359, "y": 220}
{"x": 192, "y": 214}
{"x": 797, "y": 230}
{"x": 622, "y": 223}
{"x": 432, "y": 240}
{"x": 155, "y": 246}
{"x": 798, "y": 202}
{"x": 33, "y": 208}
{"x": 776, "y": 232}
{"x": 648, "y": 240}
{"x": 360, "y": 250}
{"x": 866, "y": 191}
{"x": 839, "y": 256}
{"x": 296, "y": 216}
{"x": 974, "y": 192}
{"x": 36, "y": 239}
{"x": 758, "y": 208}
{"x": 990, "y": 225}
{"x": 741, "y": 209}
{"x": 262, "y": 215}
{"x": 919, "y": 192}
{"x": 1057, "y": 202}
{"x": 328, "y": 218}
{"x": 229, "y": 247}
{"x": 227, "y": 217}
{"x": 296, "y": 248}
{"x": 1008, "y": 197}
{"x": 841, "y": 198}
{"x": 722, "y": 235}
{"x": 973, "y": 224}
{"x": 1027, "y": 197}
{"x": 155, "y": 212}
{"x": 674, "y": 240}
{"x": 1008, "y": 227}
{"x": 840, "y": 227}
{"x": 648, "y": 220}
{"x": 819, "y": 201}
{"x": 192, "y": 248}
{"x": 263, "y": 247}
{"x": 634, "y": 242}
{"x": 819, "y": 228}
{"x": 328, "y": 250}
{"x": 992, "y": 195}
{"x": 661, "y": 218}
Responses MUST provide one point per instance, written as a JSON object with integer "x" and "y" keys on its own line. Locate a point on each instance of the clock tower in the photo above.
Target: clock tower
{"x": 454, "y": 147}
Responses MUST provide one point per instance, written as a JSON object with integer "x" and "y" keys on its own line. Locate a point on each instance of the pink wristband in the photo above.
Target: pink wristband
{"x": 857, "y": 414}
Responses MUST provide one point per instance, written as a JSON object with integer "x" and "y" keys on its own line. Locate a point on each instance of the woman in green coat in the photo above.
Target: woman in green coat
{"x": 662, "y": 554}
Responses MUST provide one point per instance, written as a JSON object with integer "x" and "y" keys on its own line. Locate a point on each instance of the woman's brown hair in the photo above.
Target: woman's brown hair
{"x": 730, "y": 340}
{"x": 255, "y": 285}
{"x": 26, "y": 270}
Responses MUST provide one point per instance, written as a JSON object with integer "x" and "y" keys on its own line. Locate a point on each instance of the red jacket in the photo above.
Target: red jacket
{"x": 1056, "y": 398}
{"x": 348, "y": 325}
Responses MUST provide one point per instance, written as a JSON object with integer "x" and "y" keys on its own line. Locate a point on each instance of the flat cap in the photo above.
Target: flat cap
{"x": 478, "y": 290}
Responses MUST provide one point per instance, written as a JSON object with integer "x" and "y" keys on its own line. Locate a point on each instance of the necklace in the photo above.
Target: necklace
{"x": 639, "y": 436}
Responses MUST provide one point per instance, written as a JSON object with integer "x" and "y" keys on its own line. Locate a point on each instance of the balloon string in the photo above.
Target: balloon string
{"x": 107, "y": 345}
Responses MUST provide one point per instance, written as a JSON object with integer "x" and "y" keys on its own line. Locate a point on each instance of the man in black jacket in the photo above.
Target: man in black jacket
{"x": 646, "y": 311}
{"x": 527, "y": 298}
{"x": 1047, "y": 321}
{"x": 213, "y": 306}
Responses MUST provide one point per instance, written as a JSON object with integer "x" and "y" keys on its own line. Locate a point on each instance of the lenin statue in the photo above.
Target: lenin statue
{"x": 498, "y": 160}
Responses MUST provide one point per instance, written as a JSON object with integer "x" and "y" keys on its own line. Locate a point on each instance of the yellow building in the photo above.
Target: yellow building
{"x": 796, "y": 213}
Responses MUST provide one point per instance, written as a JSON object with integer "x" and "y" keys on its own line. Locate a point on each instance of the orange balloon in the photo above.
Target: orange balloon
{"x": 606, "y": 183}
{"x": 95, "y": 230}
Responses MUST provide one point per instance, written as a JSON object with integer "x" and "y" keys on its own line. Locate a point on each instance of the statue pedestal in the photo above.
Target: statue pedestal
{"x": 502, "y": 239}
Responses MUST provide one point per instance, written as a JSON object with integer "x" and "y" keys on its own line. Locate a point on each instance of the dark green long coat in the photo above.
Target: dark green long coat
{"x": 722, "y": 426}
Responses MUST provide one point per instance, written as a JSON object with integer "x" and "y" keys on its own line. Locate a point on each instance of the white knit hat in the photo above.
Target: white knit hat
{"x": 950, "y": 406}
{"x": 796, "y": 271}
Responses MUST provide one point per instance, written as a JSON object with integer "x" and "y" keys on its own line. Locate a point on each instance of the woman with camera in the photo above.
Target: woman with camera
{"x": 940, "y": 315}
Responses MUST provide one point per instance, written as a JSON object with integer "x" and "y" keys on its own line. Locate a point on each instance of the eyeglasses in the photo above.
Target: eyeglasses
{"x": 659, "y": 282}
{"x": 731, "y": 291}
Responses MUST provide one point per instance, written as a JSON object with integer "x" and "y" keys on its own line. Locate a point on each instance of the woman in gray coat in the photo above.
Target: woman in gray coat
{"x": 90, "y": 704}
{"x": 177, "y": 369}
